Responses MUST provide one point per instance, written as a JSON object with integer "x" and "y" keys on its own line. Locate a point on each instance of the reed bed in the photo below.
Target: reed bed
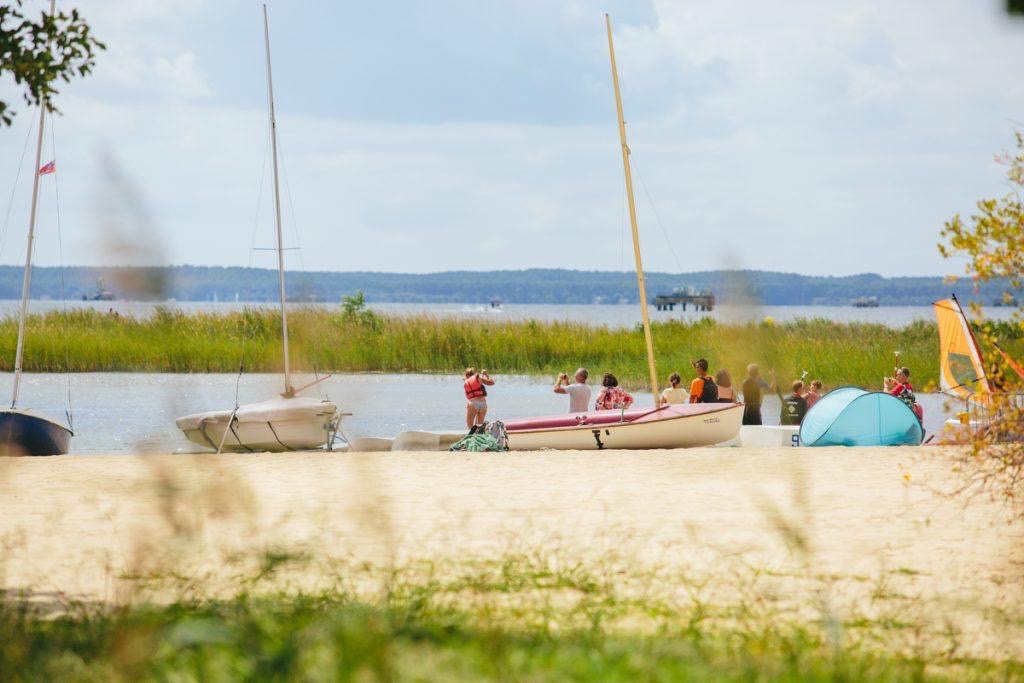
{"x": 361, "y": 341}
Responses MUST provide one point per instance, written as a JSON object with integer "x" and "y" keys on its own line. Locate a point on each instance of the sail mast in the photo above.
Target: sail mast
{"x": 277, "y": 210}
{"x": 26, "y": 281}
{"x": 632, "y": 216}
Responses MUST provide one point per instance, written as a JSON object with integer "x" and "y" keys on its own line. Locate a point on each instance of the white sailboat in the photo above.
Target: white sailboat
{"x": 671, "y": 426}
{"x": 24, "y": 431}
{"x": 286, "y": 422}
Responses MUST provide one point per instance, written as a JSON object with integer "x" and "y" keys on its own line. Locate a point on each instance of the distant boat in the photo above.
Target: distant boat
{"x": 865, "y": 302}
{"x": 671, "y": 426}
{"x": 101, "y": 294}
{"x": 24, "y": 431}
{"x": 286, "y": 422}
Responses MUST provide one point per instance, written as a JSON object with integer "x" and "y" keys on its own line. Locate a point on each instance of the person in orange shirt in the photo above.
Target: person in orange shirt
{"x": 703, "y": 388}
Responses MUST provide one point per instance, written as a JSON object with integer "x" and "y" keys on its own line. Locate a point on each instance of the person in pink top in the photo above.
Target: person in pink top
{"x": 814, "y": 394}
{"x": 611, "y": 397}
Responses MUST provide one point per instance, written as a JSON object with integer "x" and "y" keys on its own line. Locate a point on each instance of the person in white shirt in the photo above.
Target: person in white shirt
{"x": 579, "y": 391}
{"x": 674, "y": 394}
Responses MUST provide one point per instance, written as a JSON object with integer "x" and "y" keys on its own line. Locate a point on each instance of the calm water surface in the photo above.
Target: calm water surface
{"x": 611, "y": 315}
{"x": 129, "y": 413}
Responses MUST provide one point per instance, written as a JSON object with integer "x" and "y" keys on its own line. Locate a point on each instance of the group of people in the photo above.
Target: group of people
{"x": 704, "y": 388}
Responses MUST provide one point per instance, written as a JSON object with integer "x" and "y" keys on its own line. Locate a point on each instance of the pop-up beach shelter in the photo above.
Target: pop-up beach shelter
{"x": 849, "y": 416}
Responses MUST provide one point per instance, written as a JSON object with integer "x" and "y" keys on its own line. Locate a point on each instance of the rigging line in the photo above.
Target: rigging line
{"x": 622, "y": 243}
{"x": 60, "y": 261}
{"x": 291, "y": 204}
{"x": 14, "y": 189}
{"x": 259, "y": 198}
{"x": 656, "y": 214}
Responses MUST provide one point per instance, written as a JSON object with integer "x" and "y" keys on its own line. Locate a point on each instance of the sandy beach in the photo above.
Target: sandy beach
{"x": 854, "y": 520}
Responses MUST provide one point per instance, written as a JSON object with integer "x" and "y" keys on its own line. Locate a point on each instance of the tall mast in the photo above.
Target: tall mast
{"x": 26, "y": 281}
{"x": 632, "y": 216}
{"x": 277, "y": 211}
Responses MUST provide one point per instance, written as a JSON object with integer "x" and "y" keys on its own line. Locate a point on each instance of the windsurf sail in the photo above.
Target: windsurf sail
{"x": 961, "y": 370}
{"x": 1017, "y": 367}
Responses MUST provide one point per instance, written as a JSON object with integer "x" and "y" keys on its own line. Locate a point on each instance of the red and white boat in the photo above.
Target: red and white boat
{"x": 671, "y": 426}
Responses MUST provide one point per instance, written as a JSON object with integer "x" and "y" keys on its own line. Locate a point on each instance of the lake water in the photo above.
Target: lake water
{"x": 611, "y": 315}
{"x": 135, "y": 412}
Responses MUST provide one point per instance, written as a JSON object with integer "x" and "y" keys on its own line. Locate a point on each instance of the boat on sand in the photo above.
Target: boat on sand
{"x": 671, "y": 426}
{"x": 24, "y": 431}
{"x": 286, "y": 422}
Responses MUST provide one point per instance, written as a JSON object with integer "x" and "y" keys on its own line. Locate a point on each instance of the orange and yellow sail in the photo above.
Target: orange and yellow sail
{"x": 961, "y": 369}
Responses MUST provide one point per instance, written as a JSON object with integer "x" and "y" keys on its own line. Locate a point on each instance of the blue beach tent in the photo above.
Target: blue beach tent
{"x": 849, "y": 416}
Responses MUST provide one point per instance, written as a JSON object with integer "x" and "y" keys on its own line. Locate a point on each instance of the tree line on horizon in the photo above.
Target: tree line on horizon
{"x": 536, "y": 286}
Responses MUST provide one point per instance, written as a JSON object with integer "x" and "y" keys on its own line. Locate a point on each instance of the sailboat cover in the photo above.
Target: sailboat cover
{"x": 961, "y": 370}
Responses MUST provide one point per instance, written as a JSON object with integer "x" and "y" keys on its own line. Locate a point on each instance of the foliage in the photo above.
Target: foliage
{"x": 38, "y": 53}
{"x": 993, "y": 243}
{"x": 354, "y": 309}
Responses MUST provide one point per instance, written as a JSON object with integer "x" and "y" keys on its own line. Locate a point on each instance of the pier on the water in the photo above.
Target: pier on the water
{"x": 703, "y": 300}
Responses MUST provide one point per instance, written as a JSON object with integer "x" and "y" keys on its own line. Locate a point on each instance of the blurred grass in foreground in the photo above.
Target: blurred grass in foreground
{"x": 361, "y": 341}
{"x": 509, "y": 620}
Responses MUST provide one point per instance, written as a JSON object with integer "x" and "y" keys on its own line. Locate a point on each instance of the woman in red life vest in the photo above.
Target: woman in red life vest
{"x": 475, "y": 385}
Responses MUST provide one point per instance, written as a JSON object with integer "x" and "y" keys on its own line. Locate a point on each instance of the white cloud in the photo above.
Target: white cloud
{"x": 817, "y": 138}
{"x": 178, "y": 76}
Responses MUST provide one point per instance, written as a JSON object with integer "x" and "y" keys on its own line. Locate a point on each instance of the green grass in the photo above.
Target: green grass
{"x": 169, "y": 341}
{"x": 508, "y": 621}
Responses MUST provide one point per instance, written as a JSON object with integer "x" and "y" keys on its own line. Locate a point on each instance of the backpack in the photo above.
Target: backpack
{"x": 907, "y": 396}
{"x": 709, "y": 394}
{"x": 496, "y": 430}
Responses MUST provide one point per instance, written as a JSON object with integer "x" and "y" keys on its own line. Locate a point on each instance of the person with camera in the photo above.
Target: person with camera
{"x": 578, "y": 391}
{"x": 475, "y": 387}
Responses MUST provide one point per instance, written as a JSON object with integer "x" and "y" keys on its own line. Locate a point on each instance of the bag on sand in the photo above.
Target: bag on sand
{"x": 477, "y": 443}
{"x": 497, "y": 431}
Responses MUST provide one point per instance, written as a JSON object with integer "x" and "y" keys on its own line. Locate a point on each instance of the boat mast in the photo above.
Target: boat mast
{"x": 632, "y": 216}
{"x": 26, "y": 281}
{"x": 277, "y": 211}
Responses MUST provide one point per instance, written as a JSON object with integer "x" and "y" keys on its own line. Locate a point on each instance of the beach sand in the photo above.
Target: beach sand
{"x": 856, "y": 521}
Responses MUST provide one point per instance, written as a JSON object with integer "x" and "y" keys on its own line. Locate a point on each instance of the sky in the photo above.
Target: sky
{"x": 825, "y": 137}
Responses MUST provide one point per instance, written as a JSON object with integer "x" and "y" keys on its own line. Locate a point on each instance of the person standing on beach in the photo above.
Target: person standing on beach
{"x": 611, "y": 397}
{"x": 703, "y": 388}
{"x": 752, "y": 387}
{"x": 475, "y": 386}
{"x": 578, "y": 391}
{"x": 673, "y": 394}
{"x": 814, "y": 394}
{"x": 726, "y": 394}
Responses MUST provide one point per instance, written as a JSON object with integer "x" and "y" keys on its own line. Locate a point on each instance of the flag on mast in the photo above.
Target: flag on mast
{"x": 48, "y": 168}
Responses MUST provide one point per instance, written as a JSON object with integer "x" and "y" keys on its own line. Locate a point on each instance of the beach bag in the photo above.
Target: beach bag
{"x": 477, "y": 443}
{"x": 496, "y": 430}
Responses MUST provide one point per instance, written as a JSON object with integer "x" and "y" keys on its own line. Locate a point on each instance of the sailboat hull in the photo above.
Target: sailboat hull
{"x": 277, "y": 425}
{"x": 673, "y": 426}
{"x": 25, "y": 432}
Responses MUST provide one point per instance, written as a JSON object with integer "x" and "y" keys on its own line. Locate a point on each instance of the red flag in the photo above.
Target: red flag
{"x": 48, "y": 168}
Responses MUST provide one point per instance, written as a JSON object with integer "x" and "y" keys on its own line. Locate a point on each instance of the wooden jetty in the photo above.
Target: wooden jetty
{"x": 703, "y": 300}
